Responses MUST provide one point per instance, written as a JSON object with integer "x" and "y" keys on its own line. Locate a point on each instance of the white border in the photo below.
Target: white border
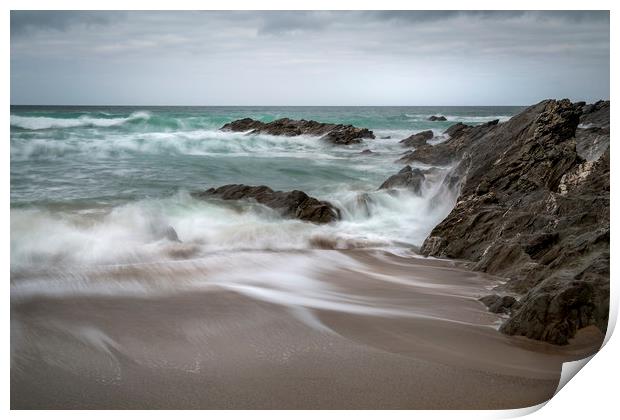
{"x": 591, "y": 395}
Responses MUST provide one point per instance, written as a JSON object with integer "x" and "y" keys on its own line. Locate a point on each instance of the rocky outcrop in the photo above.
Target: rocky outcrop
{"x": 437, "y": 118}
{"x": 292, "y": 204}
{"x": 407, "y": 178}
{"x": 334, "y": 133}
{"x": 596, "y": 114}
{"x": 533, "y": 210}
{"x": 450, "y": 151}
{"x": 417, "y": 140}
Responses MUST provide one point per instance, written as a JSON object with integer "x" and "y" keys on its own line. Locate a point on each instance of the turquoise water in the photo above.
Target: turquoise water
{"x": 99, "y": 185}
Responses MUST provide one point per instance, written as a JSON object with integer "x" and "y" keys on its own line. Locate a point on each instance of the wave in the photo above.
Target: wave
{"x": 181, "y": 227}
{"x": 197, "y": 142}
{"x": 43, "y": 123}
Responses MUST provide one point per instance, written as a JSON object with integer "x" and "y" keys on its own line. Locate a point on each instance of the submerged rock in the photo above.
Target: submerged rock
{"x": 417, "y": 140}
{"x": 293, "y": 204}
{"x": 366, "y": 152}
{"x": 437, "y": 118}
{"x": 532, "y": 209}
{"x": 334, "y": 133}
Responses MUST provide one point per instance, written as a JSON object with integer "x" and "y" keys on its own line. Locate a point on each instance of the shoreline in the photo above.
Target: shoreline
{"x": 375, "y": 331}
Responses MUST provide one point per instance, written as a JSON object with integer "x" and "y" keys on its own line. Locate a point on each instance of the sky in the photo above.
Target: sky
{"x": 348, "y": 58}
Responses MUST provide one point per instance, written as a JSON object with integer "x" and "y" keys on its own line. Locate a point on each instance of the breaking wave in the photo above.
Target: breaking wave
{"x": 43, "y": 123}
{"x": 181, "y": 227}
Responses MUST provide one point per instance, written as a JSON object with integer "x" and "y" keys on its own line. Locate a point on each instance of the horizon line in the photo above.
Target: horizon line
{"x": 291, "y": 106}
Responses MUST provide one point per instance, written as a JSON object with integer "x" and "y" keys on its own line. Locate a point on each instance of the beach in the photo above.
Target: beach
{"x": 340, "y": 330}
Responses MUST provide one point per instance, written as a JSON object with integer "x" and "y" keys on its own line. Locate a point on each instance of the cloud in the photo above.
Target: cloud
{"x": 23, "y": 22}
{"x": 387, "y": 57}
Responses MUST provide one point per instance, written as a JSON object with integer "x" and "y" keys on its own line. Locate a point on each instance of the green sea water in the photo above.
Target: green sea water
{"x": 99, "y": 185}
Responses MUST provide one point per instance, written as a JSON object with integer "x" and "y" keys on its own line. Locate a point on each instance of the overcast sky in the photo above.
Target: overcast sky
{"x": 308, "y": 58}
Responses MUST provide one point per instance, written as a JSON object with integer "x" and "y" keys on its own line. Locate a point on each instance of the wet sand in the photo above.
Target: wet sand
{"x": 315, "y": 330}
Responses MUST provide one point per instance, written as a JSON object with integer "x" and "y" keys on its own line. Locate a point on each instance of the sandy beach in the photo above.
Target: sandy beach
{"x": 326, "y": 329}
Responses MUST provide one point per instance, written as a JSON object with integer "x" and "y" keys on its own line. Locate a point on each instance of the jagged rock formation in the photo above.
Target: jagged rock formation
{"x": 532, "y": 209}
{"x": 417, "y": 140}
{"x": 450, "y": 151}
{"x": 334, "y": 133}
{"x": 292, "y": 204}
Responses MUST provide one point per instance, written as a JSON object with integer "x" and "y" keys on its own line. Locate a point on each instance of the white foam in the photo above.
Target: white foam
{"x": 42, "y": 123}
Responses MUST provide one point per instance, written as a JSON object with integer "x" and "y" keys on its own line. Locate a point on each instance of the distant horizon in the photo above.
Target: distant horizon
{"x": 301, "y": 106}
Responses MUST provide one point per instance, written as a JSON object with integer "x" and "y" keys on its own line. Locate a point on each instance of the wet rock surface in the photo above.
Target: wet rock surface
{"x": 437, "y": 118}
{"x": 500, "y": 304}
{"x": 292, "y": 204}
{"x": 417, "y": 140}
{"x": 334, "y": 133}
{"x": 533, "y": 209}
{"x": 450, "y": 151}
{"x": 408, "y": 177}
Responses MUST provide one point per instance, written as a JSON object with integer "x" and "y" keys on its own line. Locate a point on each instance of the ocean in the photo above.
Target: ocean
{"x": 100, "y": 185}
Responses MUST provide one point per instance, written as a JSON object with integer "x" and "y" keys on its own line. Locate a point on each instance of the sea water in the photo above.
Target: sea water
{"x": 94, "y": 186}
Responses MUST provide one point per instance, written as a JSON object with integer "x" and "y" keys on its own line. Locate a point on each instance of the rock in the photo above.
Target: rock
{"x": 596, "y": 115}
{"x": 532, "y": 209}
{"x": 334, "y": 133}
{"x": 558, "y": 307}
{"x": 171, "y": 234}
{"x": 292, "y": 204}
{"x": 417, "y": 140}
{"x": 500, "y": 304}
{"x": 348, "y": 135}
{"x": 386, "y": 137}
{"x": 450, "y": 151}
{"x": 437, "y": 118}
{"x": 366, "y": 152}
{"x": 409, "y": 178}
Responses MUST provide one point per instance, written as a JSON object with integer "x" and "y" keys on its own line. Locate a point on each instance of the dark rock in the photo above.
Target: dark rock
{"x": 500, "y": 304}
{"x": 409, "y": 178}
{"x": 533, "y": 210}
{"x": 244, "y": 124}
{"x": 348, "y": 135}
{"x": 456, "y": 128}
{"x": 386, "y": 137}
{"x": 452, "y": 150}
{"x": 596, "y": 115}
{"x": 334, "y": 133}
{"x": 417, "y": 140}
{"x": 292, "y": 204}
{"x": 437, "y": 118}
{"x": 366, "y": 152}
{"x": 558, "y": 307}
